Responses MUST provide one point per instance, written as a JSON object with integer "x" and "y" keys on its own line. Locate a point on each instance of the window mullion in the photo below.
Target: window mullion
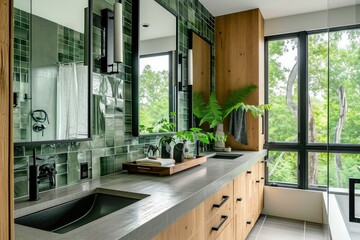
{"x": 303, "y": 115}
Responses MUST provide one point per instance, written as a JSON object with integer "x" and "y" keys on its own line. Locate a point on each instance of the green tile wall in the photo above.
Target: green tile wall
{"x": 21, "y": 74}
{"x": 70, "y": 45}
{"x": 112, "y": 142}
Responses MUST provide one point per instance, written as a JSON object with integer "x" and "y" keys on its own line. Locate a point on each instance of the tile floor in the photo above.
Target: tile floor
{"x": 276, "y": 228}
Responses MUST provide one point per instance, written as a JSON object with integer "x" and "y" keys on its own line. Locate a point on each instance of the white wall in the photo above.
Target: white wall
{"x": 68, "y": 13}
{"x": 158, "y": 45}
{"x": 313, "y": 21}
{"x": 298, "y": 204}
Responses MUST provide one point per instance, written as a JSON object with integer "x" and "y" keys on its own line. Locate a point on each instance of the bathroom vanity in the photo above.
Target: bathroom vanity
{"x": 209, "y": 201}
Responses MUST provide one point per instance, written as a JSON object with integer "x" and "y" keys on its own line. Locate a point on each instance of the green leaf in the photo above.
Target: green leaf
{"x": 213, "y": 112}
{"x": 198, "y": 105}
{"x": 203, "y": 138}
{"x": 237, "y": 97}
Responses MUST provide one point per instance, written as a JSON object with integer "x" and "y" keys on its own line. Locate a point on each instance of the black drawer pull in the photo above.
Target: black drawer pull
{"x": 224, "y": 199}
{"x": 223, "y": 220}
{"x": 248, "y": 222}
{"x": 248, "y": 172}
{"x": 239, "y": 199}
{"x": 262, "y": 178}
{"x": 257, "y": 181}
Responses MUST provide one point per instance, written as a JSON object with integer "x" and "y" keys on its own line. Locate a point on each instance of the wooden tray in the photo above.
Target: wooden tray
{"x": 132, "y": 167}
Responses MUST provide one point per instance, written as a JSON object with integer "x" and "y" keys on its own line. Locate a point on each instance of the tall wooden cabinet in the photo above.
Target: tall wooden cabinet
{"x": 6, "y": 141}
{"x": 239, "y": 61}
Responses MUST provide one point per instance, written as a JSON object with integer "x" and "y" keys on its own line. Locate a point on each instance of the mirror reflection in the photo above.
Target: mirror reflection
{"x": 157, "y": 50}
{"x": 51, "y": 71}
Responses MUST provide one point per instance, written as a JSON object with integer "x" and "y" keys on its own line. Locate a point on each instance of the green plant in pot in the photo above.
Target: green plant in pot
{"x": 192, "y": 135}
{"x": 213, "y": 113}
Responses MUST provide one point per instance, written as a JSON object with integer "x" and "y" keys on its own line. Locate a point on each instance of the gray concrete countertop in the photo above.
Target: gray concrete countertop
{"x": 170, "y": 197}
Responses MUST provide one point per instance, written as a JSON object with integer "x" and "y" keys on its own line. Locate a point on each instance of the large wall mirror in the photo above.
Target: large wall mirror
{"x": 52, "y": 70}
{"x": 155, "y": 61}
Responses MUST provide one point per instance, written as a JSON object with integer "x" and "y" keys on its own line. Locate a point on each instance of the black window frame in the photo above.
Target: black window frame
{"x": 302, "y": 147}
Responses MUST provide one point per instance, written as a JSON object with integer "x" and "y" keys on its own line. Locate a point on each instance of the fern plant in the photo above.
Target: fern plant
{"x": 214, "y": 113}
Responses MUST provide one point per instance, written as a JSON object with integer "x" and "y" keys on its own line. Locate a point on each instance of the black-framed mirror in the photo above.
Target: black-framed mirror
{"x": 154, "y": 50}
{"x": 52, "y": 71}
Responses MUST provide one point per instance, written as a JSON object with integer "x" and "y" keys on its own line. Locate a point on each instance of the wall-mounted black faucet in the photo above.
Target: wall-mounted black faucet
{"x": 33, "y": 185}
{"x": 36, "y": 175}
{"x": 47, "y": 171}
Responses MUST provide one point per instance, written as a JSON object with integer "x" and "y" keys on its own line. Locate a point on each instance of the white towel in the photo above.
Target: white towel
{"x": 161, "y": 162}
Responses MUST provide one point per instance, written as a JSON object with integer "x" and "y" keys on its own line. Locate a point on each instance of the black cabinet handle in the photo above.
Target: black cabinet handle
{"x": 352, "y": 217}
{"x": 262, "y": 178}
{"x": 223, "y": 220}
{"x": 257, "y": 181}
{"x": 224, "y": 199}
{"x": 248, "y": 222}
{"x": 248, "y": 172}
{"x": 239, "y": 199}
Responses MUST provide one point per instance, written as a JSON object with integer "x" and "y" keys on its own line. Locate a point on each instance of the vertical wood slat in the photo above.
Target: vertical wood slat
{"x": 6, "y": 138}
{"x": 239, "y": 61}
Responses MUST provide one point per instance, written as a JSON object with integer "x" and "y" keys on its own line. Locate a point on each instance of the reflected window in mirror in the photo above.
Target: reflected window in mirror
{"x": 155, "y": 103}
{"x": 155, "y": 67}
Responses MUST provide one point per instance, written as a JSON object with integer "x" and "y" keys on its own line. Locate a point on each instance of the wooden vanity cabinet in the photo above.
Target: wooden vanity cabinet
{"x": 228, "y": 214}
{"x": 187, "y": 227}
{"x": 219, "y": 213}
{"x": 248, "y": 199}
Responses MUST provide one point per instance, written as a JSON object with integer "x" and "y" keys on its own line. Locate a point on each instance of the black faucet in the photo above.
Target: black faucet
{"x": 46, "y": 171}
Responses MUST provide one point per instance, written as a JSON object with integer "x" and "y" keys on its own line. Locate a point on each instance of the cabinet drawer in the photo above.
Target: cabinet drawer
{"x": 228, "y": 232}
{"x": 187, "y": 227}
{"x": 215, "y": 226}
{"x": 217, "y": 201}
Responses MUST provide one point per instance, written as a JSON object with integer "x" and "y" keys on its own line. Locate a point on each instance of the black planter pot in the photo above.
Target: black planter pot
{"x": 179, "y": 153}
{"x": 166, "y": 150}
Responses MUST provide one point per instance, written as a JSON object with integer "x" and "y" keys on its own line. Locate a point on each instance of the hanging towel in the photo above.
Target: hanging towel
{"x": 237, "y": 126}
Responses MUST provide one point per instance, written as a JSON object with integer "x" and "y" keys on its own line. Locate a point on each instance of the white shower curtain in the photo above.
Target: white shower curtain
{"x": 72, "y": 101}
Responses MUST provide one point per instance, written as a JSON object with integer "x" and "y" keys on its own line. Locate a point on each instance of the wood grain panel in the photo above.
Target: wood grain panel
{"x": 6, "y": 149}
{"x": 189, "y": 226}
{"x": 201, "y": 65}
{"x": 239, "y": 59}
{"x": 217, "y": 198}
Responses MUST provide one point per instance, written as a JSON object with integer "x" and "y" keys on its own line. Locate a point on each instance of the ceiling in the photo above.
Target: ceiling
{"x": 274, "y": 8}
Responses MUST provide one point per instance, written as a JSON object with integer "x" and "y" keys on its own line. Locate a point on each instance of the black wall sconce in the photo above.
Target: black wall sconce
{"x": 112, "y": 23}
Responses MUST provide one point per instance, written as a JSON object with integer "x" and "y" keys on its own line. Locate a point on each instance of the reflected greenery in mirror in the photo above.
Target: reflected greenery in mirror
{"x": 52, "y": 70}
{"x": 155, "y": 63}
{"x": 154, "y": 101}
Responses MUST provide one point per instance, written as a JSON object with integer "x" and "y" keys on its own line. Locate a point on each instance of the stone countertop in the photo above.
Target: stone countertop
{"x": 169, "y": 198}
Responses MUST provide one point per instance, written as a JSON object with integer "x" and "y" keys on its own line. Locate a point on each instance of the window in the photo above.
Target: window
{"x": 313, "y": 85}
{"x": 154, "y": 91}
{"x": 283, "y": 95}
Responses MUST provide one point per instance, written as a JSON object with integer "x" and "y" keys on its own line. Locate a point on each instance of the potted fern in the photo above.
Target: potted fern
{"x": 213, "y": 113}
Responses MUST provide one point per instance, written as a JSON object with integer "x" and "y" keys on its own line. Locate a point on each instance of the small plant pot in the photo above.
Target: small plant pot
{"x": 179, "y": 152}
{"x": 166, "y": 150}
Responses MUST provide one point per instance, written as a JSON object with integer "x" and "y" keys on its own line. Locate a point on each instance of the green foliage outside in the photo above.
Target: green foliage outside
{"x": 154, "y": 100}
{"x": 343, "y": 52}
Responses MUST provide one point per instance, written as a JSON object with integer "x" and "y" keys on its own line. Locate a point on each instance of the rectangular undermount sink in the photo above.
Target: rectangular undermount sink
{"x": 226, "y": 156}
{"x": 76, "y": 213}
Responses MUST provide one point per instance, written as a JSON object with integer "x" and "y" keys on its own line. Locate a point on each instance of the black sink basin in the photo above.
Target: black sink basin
{"x": 226, "y": 156}
{"x": 70, "y": 215}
